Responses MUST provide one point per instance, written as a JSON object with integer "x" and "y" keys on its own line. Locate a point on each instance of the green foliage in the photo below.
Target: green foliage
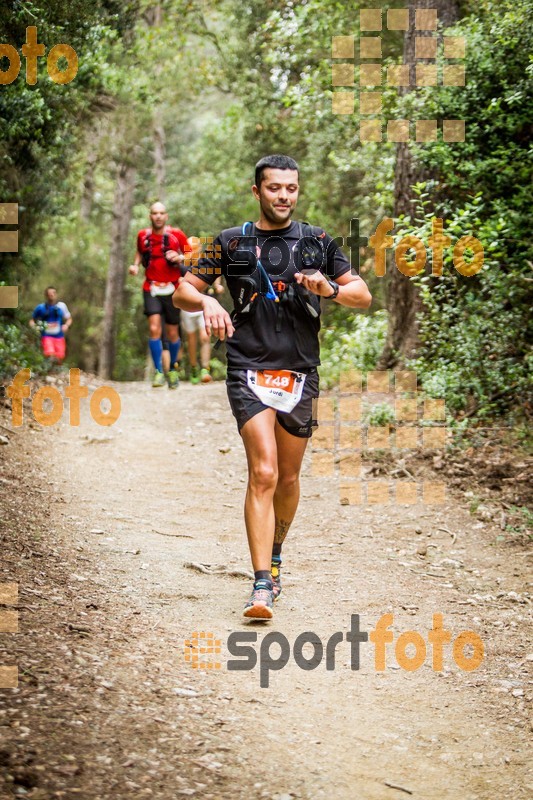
{"x": 75, "y": 259}
{"x": 218, "y": 369}
{"x": 130, "y": 358}
{"x": 19, "y": 345}
{"x": 496, "y": 104}
{"x": 350, "y": 341}
{"x": 379, "y": 414}
{"x": 230, "y": 83}
{"x": 40, "y": 123}
{"x": 523, "y": 523}
{"x": 474, "y": 330}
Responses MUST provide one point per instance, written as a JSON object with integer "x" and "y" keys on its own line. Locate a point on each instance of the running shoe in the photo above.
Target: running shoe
{"x": 259, "y": 606}
{"x": 195, "y": 378}
{"x": 205, "y": 377}
{"x": 173, "y": 379}
{"x": 159, "y": 379}
{"x": 275, "y": 568}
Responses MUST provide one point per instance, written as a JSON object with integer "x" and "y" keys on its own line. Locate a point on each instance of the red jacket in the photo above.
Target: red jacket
{"x": 153, "y": 246}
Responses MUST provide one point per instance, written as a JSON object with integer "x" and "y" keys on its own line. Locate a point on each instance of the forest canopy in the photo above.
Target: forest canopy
{"x": 176, "y": 101}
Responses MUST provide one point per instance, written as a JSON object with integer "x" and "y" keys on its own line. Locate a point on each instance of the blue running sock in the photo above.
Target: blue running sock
{"x": 174, "y": 348}
{"x": 156, "y": 351}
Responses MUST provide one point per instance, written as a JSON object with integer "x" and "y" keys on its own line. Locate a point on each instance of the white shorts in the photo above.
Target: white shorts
{"x": 192, "y": 321}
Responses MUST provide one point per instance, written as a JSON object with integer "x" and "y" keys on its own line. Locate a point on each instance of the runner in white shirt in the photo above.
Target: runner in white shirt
{"x": 193, "y": 325}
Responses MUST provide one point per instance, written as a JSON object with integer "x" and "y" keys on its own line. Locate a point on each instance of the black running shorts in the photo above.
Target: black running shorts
{"x": 161, "y": 304}
{"x": 245, "y": 404}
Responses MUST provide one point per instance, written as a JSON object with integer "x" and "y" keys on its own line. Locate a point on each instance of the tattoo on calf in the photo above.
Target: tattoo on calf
{"x": 281, "y": 530}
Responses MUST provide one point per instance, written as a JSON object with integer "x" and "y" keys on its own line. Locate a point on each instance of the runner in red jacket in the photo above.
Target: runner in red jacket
{"x": 161, "y": 250}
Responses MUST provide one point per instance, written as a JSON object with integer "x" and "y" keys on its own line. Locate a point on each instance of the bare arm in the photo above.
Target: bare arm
{"x": 218, "y": 286}
{"x": 190, "y": 297}
{"x": 133, "y": 269}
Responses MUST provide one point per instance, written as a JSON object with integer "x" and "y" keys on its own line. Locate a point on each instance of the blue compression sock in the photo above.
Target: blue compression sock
{"x": 156, "y": 351}
{"x": 174, "y": 348}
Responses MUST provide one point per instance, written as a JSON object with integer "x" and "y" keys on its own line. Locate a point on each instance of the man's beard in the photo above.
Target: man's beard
{"x": 272, "y": 216}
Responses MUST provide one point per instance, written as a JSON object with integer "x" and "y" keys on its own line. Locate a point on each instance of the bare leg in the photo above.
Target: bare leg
{"x": 261, "y": 451}
{"x": 291, "y": 451}
{"x": 191, "y": 344}
{"x": 173, "y": 333}
{"x": 154, "y": 326}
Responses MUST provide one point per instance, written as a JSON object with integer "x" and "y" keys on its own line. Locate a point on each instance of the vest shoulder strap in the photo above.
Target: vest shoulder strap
{"x": 310, "y": 230}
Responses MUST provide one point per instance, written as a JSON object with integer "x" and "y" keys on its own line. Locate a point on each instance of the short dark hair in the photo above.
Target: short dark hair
{"x": 273, "y": 162}
{"x": 50, "y": 287}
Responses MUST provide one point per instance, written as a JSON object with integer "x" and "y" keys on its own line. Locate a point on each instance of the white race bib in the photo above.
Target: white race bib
{"x": 157, "y": 288}
{"x": 52, "y": 328}
{"x": 278, "y": 388}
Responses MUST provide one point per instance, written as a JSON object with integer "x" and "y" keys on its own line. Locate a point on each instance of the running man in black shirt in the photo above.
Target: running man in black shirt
{"x": 276, "y": 271}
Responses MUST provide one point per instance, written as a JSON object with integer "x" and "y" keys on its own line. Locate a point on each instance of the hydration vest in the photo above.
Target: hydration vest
{"x": 146, "y": 255}
{"x": 254, "y": 281}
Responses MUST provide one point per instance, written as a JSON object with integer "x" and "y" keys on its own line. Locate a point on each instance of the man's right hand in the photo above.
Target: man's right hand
{"x": 217, "y": 320}
{"x": 133, "y": 269}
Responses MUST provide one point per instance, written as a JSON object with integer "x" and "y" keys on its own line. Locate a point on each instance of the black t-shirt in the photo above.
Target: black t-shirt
{"x": 272, "y": 335}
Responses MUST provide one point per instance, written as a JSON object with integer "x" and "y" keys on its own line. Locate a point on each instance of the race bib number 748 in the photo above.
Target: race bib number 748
{"x": 278, "y": 388}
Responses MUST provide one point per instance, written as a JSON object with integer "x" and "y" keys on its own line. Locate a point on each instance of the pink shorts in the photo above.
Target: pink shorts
{"x": 53, "y": 347}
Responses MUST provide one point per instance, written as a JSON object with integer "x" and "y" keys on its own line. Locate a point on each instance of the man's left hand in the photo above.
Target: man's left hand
{"x": 316, "y": 282}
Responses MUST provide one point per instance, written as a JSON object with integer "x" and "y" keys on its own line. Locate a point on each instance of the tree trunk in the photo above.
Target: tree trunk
{"x": 403, "y": 299}
{"x": 159, "y": 158}
{"x": 122, "y": 208}
{"x": 155, "y": 20}
{"x": 93, "y": 139}
{"x": 87, "y": 194}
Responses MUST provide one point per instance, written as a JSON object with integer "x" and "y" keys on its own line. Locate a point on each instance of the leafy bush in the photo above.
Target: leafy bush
{"x": 350, "y": 341}
{"x": 380, "y": 414}
{"x": 20, "y": 346}
{"x": 473, "y": 331}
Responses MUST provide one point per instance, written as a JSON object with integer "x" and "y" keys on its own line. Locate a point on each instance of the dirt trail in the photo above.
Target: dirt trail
{"x": 121, "y": 714}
